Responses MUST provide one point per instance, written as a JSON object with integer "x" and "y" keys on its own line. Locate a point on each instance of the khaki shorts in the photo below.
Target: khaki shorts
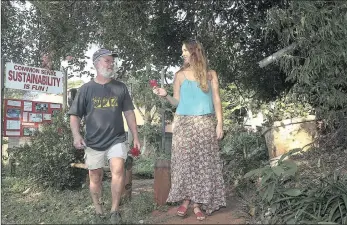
{"x": 98, "y": 159}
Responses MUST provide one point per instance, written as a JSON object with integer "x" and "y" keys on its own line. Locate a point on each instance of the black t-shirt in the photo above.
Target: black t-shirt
{"x": 102, "y": 107}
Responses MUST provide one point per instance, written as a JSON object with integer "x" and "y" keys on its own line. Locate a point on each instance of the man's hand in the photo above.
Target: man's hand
{"x": 131, "y": 120}
{"x": 137, "y": 143}
{"x": 78, "y": 142}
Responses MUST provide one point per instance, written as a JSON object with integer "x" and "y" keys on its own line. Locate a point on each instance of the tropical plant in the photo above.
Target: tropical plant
{"x": 48, "y": 157}
{"x": 274, "y": 176}
{"x": 241, "y": 151}
{"x": 286, "y": 106}
{"x": 283, "y": 201}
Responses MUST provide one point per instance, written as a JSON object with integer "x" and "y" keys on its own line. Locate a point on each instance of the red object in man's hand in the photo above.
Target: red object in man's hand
{"x": 135, "y": 152}
{"x": 153, "y": 83}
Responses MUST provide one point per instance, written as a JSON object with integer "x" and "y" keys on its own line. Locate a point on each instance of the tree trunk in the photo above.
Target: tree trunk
{"x": 144, "y": 148}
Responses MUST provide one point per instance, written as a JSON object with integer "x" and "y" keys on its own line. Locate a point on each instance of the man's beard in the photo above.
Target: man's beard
{"x": 105, "y": 73}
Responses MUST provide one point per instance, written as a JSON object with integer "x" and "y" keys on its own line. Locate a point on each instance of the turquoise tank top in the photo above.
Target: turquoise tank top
{"x": 193, "y": 101}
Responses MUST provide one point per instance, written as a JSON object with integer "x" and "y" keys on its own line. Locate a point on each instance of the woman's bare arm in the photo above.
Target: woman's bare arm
{"x": 174, "y": 100}
{"x": 216, "y": 98}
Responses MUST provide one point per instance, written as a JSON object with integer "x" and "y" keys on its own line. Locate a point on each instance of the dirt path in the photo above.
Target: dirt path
{"x": 229, "y": 215}
{"x": 232, "y": 214}
{"x": 142, "y": 185}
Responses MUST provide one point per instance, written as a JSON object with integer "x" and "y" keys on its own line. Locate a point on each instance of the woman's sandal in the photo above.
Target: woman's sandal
{"x": 199, "y": 215}
{"x": 182, "y": 211}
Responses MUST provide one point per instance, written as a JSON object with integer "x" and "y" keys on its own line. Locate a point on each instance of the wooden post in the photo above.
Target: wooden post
{"x": 12, "y": 163}
{"x": 162, "y": 181}
{"x": 2, "y": 97}
{"x": 64, "y": 88}
{"x": 130, "y": 135}
{"x": 163, "y": 112}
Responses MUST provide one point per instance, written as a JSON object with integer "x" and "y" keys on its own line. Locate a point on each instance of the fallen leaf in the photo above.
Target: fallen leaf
{"x": 26, "y": 191}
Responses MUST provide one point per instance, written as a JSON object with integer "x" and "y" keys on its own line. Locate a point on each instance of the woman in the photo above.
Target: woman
{"x": 196, "y": 167}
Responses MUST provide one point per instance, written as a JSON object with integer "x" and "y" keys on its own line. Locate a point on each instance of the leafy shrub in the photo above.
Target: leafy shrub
{"x": 286, "y": 106}
{"x": 317, "y": 68}
{"x": 281, "y": 201}
{"x": 152, "y": 132}
{"x": 48, "y": 157}
{"x": 274, "y": 177}
{"x": 242, "y": 151}
{"x": 326, "y": 203}
{"x": 144, "y": 167}
{"x": 322, "y": 204}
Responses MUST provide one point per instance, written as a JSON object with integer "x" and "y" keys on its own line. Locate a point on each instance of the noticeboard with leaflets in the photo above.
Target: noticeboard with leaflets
{"x": 22, "y": 117}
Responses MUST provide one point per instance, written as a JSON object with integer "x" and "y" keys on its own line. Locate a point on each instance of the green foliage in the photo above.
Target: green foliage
{"x": 285, "y": 107}
{"x": 148, "y": 104}
{"x": 322, "y": 204}
{"x": 18, "y": 44}
{"x": 282, "y": 201}
{"x": 144, "y": 167}
{"x": 236, "y": 104}
{"x": 48, "y": 157}
{"x": 233, "y": 102}
{"x": 60, "y": 33}
{"x": 4, "y": 141}
{"x": 152, "y": 134}
{"x": 272, "y": 177}
{"x": 325, "y": 204}
{"x": 241, "y": 151}
{"x": 232, "y": 33}
{"x": 317, "y": 64}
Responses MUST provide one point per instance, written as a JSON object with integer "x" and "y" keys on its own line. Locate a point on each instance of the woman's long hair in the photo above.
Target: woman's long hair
{"x": 198, "y": 62}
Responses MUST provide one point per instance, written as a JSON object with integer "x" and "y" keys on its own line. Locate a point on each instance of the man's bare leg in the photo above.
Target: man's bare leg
{"x": 117, "y": 183}
{"x": 95, "y": 187}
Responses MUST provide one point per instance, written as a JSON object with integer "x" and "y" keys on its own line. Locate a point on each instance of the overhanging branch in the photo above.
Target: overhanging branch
{"x": 276, "y": 55}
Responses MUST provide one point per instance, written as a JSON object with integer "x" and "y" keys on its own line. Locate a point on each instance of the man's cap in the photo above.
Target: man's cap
{"x": 102, "y": 52}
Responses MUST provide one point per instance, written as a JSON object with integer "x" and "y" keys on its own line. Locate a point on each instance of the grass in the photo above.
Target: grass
{"x": 49, "y": 206}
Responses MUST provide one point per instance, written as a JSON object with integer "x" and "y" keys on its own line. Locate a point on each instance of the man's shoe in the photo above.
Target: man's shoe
{"x": 115, "y": 218}
{"x": 100, "y": 217}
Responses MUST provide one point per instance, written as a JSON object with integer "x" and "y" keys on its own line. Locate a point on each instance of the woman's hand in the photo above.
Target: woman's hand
{"x": 160, "y": 91}
{"x": 219, "y": 131}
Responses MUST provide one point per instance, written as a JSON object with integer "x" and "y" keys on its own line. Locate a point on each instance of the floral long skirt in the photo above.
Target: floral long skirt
{"x": 196, "y": 166}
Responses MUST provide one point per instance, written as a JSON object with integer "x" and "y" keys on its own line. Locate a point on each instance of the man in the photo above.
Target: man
{"x": 101, "y": 102}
